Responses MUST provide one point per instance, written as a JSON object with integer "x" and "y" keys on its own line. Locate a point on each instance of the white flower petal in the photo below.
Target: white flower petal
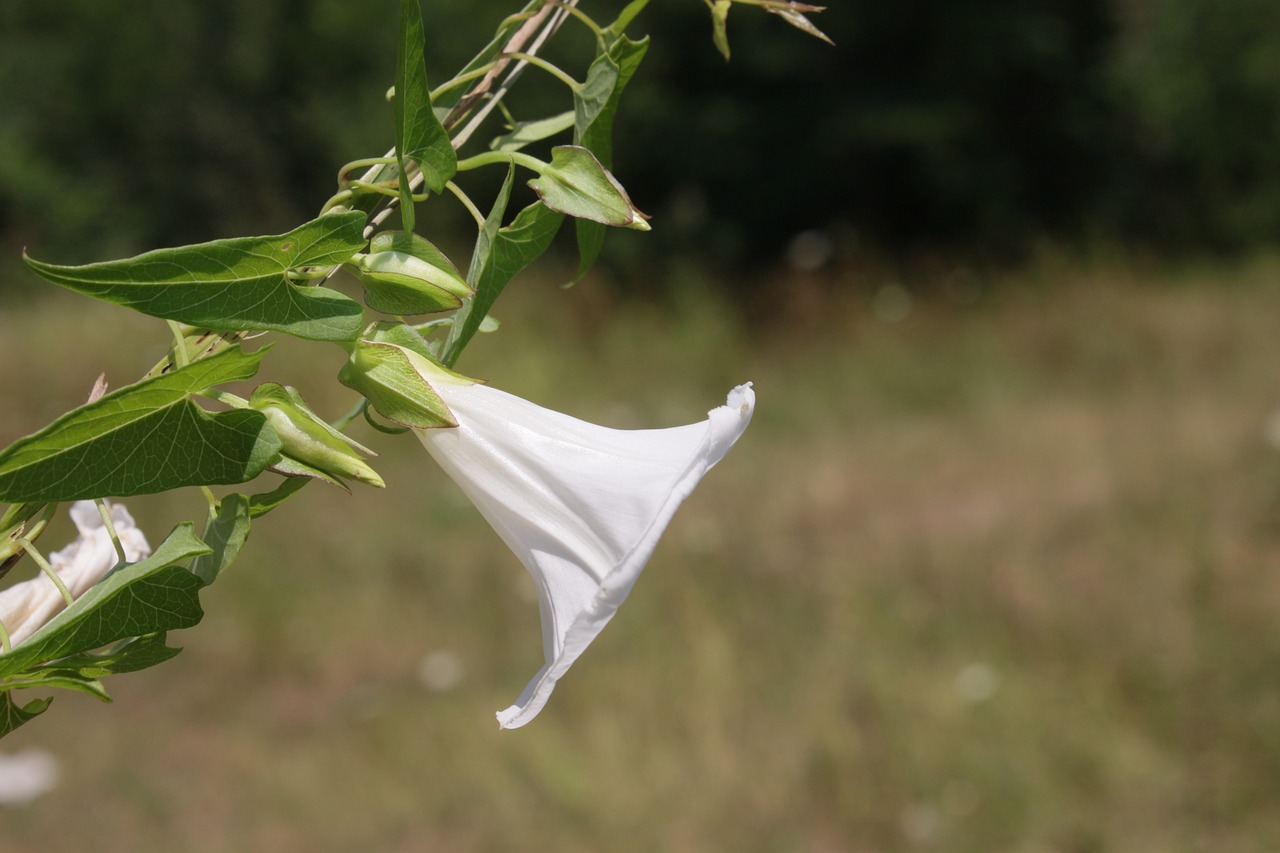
{"x": 582, "y": 506}
{"x": 26, "y": 775}
{"x": 26, "y": 607}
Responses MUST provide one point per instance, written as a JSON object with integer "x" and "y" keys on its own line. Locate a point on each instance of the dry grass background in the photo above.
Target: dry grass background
{"x": 998, "y": 572}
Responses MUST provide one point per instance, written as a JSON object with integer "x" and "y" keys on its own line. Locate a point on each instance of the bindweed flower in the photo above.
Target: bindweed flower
{"x": 26, "y": 607}
{"x": 582, "y": 506}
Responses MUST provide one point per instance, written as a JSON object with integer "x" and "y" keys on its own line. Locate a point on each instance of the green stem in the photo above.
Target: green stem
{"x": 47, "y": 569}
{"x": 180, "y": 357}
{"x": 336, "y": 200}
{"x": 363, "y": 163}
{"x": 368, "y": 416}
{"x": 382, "y": 189}
{"x": 488, "y": 158}
{"x": 580, "y": 15}
{"x": 432, "y": 324}
{"x": 111, "y": 529}
{"x": 466, "y": 202}
{"x": 5, "y": 646}
{"x": 225, "y": 397}
{"x": 461, "y": 79}
{"x": 550, "y": 68}
{"x": 345, "y": 421}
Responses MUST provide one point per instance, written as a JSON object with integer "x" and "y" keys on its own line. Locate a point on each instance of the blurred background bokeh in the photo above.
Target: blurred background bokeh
{"x": 996, "y": 567}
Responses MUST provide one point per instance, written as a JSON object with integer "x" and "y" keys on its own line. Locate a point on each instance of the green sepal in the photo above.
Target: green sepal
{"x": 395, "y": 375}
{"x": 406, "y": 274}
{"x": 233, "y": 285}
{"x": 63, "y": 679}
{"x": 144, "y": 438}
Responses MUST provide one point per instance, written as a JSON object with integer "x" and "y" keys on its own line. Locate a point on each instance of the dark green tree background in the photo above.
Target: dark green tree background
{"x": 971, "y": 128}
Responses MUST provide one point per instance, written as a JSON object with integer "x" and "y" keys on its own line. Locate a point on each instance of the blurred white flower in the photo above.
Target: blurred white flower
{"x": 26, "y": 607}
{"x": 26, "y": 775}
{"x": 581, "y": 505}
{"x": 440, "y": 671}
{"x": 977, "y": 682}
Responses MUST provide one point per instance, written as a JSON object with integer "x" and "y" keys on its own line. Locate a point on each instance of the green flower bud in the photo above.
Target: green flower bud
{"x": 409, "y": 276}
{"x": 311, "y": 448}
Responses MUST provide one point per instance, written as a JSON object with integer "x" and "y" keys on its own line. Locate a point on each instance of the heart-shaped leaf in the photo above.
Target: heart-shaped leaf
{"x": 595, "y": 107}
{"x": 235, "y": 284}
{"x": 576, "y": 184}
{"x": 144, "y": 438}
{"x": 420, "y": 136}
{"x": 147, "y": 597}
{"x": 500, "y": 254}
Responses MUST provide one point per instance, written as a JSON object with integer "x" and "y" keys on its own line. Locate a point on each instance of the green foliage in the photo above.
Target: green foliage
{"x": 144, "y": 438}
{"x": 609, "y": 74}
{"x": 500, "y": 254}
{"x": 13, "y": 715}
{"x": 152, "y": 437}
{"x": 225, "y": 532}
{"x": 386, "y": 374}
{"x": 309, "y": 447}
{"x": 420, "y": 137}
{"x": 577, "y": 185}
{"x": 133, "y": 606}
{"x": 237, "y": 284}
{"x": 395, "y": 285}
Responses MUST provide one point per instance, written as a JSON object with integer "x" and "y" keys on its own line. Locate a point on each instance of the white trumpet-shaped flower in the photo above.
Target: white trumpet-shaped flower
{"x": 581, "y": 505}
{"x": 25, "y": 607}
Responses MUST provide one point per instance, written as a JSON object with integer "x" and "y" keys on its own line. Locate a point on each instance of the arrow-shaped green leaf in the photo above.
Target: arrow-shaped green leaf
{"x": 13, "y": 715}
{"x": 595, "y": 107}
{"x": 129, "y": 656}
{"x": 144, "y": 438}
{"x": 420, "y": 136}
{"x": 140, "y": 598}
{"x": 500, "y": 254}
{"x": 225, "y": 533}
{"x": 575, "y": 183}
{"x": 234, "y": 284}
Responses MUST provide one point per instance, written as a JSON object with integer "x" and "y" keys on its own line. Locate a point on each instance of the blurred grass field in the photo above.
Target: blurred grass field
{"x": 996, "y": 568}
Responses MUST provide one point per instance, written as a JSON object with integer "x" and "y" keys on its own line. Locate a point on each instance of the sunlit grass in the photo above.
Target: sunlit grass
{"x": 985, "y": 574}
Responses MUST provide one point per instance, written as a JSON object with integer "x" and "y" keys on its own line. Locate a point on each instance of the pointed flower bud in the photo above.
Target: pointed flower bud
{"x": 406, "y": 274}
{"x": 26, "y": 607}
{"x": 582, "y": 506}
{"x": 310, "y": 447}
